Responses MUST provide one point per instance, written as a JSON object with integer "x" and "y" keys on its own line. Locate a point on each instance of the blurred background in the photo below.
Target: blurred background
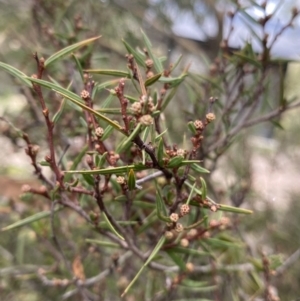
{"x": 258, "y": 169}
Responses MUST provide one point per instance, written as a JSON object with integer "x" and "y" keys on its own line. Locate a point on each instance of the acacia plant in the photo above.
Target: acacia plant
{"x": 122, "y": 199}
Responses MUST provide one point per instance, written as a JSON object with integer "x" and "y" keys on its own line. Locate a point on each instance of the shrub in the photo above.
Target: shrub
{"x": 124, "y": 200}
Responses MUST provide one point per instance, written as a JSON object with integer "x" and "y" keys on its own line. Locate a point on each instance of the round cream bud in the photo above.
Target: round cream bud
{"x": 26, "y": 188}
{"x": 213, "y": 223}
{"x": 99, "y": 132}
{"x": 178, "y": 228}
{"x": 190, "y": 267}
{"x": 184, "y": 209}
{"x": 146, "y": 120}
{"x": 169, "y": 235}
{"x": 174, "y": 217}
{"x": 180, "y": 152}
{"x": 149, "y": 63}
{"x": 184, "y": 242}
{"x": 213, "y": 208}
{"x": 136, "y": 107}
{"x": 120, "y": 180}
{"x": 206, "y": 234}
{"x": 149, "y": 74}
{"x": 198, "y": 125}
{"x": 84, "y": 94}
{"x": 192, "y": 233}
{"x": 210, "y": 117}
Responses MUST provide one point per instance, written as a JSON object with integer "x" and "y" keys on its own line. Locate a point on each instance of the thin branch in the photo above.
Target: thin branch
{"x": 99, "y": 277}
{"x": 150, "y": 177}
{"x": 288, "y": 262}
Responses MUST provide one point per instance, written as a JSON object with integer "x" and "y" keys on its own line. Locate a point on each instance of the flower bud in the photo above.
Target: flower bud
{"x": 184, "y": 209}
{"x": 210, "y": 117}
{"x": 174, "y": 217}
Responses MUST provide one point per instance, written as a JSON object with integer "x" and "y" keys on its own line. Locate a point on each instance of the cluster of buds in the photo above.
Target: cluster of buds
{"x": 174, "y": 152}
{"x": 206, "y": 203}
{"x": 149, "y": 65}
{"x": 199, "y": 125}
{"x": 144, "y": 102}
{"x": 181, "y": 152}
{"x": 175, "y": 226}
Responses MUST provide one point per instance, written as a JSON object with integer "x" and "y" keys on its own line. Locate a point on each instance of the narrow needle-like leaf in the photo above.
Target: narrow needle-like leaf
{"x": 152, "y": 255}
{"x": 65, "y": 51}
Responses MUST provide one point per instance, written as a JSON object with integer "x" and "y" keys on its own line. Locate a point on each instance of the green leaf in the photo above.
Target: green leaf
{"x": 129, "y": 140}
{"x": 203, "y": 188}
{"x": 148, "y": 221}
{"x": 77, "y": 100}
{"x": 160, "y": 135}
{"x": 191, "y": 194}
{"x": 78, "y": 65}
{"x": 173, "y": 81}
{"x": 104, "y": 85}
{"x": 29, "y": 220}
{"x": 175, "y": 162}
{"x": 16, "y": 73}
{"x": 109, "y": 171}
{"x": 176, "y": 63}
{"x": 150, "y": 258}
{"x": 111, "y": 227}
{"x": 234, "y": 209}
{"x": 150, "y": 81}
{"x": 88, "y": 178}
{"x": 157, "y": 63}
{"x": 110, "y": 72}
{"x": 58, "y": 114}
{"x": 199, "y": 169}
{"x": 65, "y": 51}
{"x": 102, "y": 160}
{"x": 160, "y": 151}
{"x": 192, "y": 128}
{"x": 44, "y": 163}
{"x": 220, "y": 243}
{"x": 131, "y": 180}
{"x": 140, "y": 59}
{"x": 201, "y": 299}
{"x": 75, "y": 163}
{"x": 194, "y": 283}
{"x": 106, "y": 244}
{"x": 177, "y": 259}
{"x": 247, "y": 59}
{"x": 169, "y": 97}
{"x": 190, "y": 251}
{"x": 160, "y": 206}
{"x": 199, "y": 288}
{"x": 108, "y": 130}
